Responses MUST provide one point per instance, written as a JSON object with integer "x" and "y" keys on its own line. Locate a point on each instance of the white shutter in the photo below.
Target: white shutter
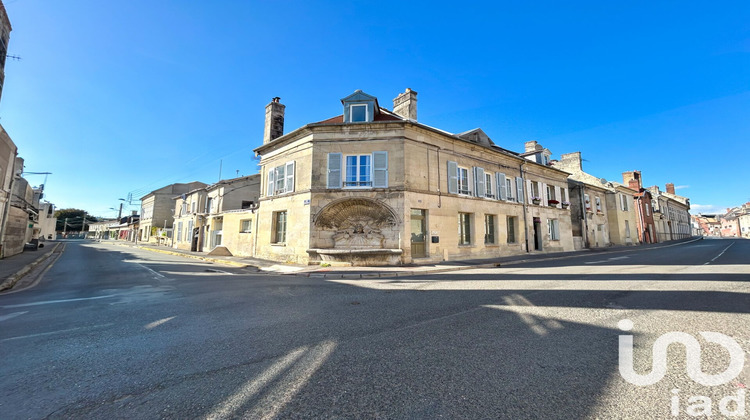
{"x": 271, "y": 182}
{"x": 519, "y": 189}
{"x": 529, "y": 189}
{"x": 380, "y": 169}
{"x": 452, "y": 177}
{"x": 502, "y": 189}
{"x": 558, "y": 195}
{"x": 556, "y": 227}
{"x": 479, "y": 182}
{"x": 334, "y": 170}
{"x": 543, "y": 193}
{"x": 289, "y": 187}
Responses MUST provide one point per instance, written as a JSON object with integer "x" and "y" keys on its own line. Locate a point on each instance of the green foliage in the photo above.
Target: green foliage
{"x": 75, "y": 219}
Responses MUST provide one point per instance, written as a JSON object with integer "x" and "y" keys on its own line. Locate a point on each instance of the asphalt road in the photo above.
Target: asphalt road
{"x": 114, "y": 332}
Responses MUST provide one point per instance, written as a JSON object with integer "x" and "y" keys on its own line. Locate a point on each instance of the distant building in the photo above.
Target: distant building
{"x": 8, "y": 153}
{"x": 643, "y": 207}
{"x": 672, "y": 214}
{"x": 157, "y": 209}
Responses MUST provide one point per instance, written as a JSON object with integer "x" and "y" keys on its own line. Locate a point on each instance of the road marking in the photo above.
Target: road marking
{"x": 49, "y": 302}
{"x": 13, "y": 315}
{"x": 159, "y": 322}
{"x": 607, "y": 260}
{"x": 722, "y": 253}
{"x": 152, "y": 271}
{"x": 56, "y": 332}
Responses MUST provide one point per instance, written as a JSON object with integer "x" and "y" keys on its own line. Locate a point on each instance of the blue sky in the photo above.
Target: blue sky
{"x": 125, "y": 97}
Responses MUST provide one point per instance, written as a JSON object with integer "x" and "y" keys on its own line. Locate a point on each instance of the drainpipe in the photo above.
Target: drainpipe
{"x": 582, "y": 196}
{"x": 525, "y": 209}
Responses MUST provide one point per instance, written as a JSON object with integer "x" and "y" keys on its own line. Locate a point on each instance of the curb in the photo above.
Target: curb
{"x": 11, "y": 280}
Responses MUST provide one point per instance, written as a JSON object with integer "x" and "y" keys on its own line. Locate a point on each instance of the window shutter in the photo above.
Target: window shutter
{"x": 519, "y": 189}
{"x": 289, "y": 187}
{"x": 380, "y": 169}
{"x": 558, "y": 195}
{"x": 334, "y": 170}
{"x": 452, "y": 177}
{"x": 502, "y": 189}
{"x": 544, "y": 193}
{"x": 529, "y": 188}
{"x": 556, "y": 227}
{"x": 271, "y": 182}
{"x": 479, "y": 182}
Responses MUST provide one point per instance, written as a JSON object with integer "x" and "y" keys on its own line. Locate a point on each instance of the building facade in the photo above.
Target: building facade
{"x": 642, "y": 203}
{"x": 374, "y": 186}
{"x": 157, "y": 209}
{"x": 672, "y": 214}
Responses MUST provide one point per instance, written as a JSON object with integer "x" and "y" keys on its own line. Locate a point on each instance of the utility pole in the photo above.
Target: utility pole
{"x": 65, "y": 226}
{"x": 83, "y": 226}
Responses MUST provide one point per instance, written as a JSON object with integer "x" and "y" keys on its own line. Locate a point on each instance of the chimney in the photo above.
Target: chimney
{"x": 405, "y": 105}
{"x": 274, "y": 127}
{"x": 570, "y": 162}
{"x": 670, "y": 188}
{"x": 633, "y": 180}
{"x": 531, "y": 146}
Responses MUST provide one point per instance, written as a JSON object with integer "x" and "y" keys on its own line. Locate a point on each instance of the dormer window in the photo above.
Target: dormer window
{"x": 360, "y": 107}
{"x": 358, "y": 113}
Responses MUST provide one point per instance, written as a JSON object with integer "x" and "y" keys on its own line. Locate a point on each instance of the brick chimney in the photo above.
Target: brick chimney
{"x": 274, "y": 127}
{"x": 405, "y": 105}
{"x": 633, "y": 180}
{"x": 670, "y": 188}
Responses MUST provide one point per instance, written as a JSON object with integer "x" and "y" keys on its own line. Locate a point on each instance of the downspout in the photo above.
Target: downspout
{"x": 582, "y": 196}
{"x": 525, "y": 209}
{"x": 440, "y": 196}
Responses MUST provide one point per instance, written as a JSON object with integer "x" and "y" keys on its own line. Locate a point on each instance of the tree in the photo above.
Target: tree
{"x": 75, "y": 219}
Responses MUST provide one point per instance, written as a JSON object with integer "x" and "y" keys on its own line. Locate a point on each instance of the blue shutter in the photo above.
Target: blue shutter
{"x": 479, "y": 182}
{"x": 271, "y": 182}
{"x": 519, "y": 189}
{"x": 334, "y": 170}
{"x": 452, "y": 177}
{"x": 289, "y": 187}
{"x": 502, "y": 191}
{"x": 380, "y": 169}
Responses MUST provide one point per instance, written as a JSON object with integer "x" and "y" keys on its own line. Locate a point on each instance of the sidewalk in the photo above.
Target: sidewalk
{"x": 15, "y": 267}
{"x": 391, "y": 271}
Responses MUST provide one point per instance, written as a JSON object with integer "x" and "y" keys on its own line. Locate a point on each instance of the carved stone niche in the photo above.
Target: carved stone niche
{"x": 360, "y": 229}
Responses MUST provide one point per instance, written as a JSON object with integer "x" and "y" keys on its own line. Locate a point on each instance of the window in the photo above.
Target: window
{"x": 511, "y": 229}
{"x": 463, "y": 181}
{"x": 553, "y": 228}
{"x": 179, "y": 231}
{"x": 246, "y": 226}
{"x": 489, "y": 228}
{"x": 464, "y": 228}
{"x": 588, "y": 202}
{"x": 247, "y": 204}
{"x": 627, "y": 229}
{"x": 624, "y": 202}
{"x": 598, "y": 204}
{"x": 361, "y": 171}
{"x": 488, "y": 185}
{"x": 358, "y": 171}
{"x": 551, "y": 193}
{"x": 279, "y": 227}
{"x": 281, "y": 179}
{"x": 535, "y": 191}
{"x": 509, "y": 188}
{"x": 192, "y": 207}
{"x": 563, "y": 195}
{"x": 209, "y": 203}
{"x": 184, "y": 208}
{"x": 358, "y": 113}
{"x": 648, "y": 210}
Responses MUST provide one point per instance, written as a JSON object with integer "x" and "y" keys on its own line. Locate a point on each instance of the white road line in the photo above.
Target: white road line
{"x": 152, "y": 271}
{"x": 56, "y": 332}
{"x": 722, "y": 253}
{"x": 607, "y": 260}
{"x": 49, "y": 302}
{"x": 13, "y": 315}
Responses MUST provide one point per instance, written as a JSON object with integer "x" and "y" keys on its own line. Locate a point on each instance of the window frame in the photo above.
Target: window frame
{"x": 510, "y": 225}
{"x": 464, "y": 229}
{"x": 467, "y": 180}
{"x": 249, "y": 228}
{"x": 488, "y": 185}
{"x": 490, "y": 229}
{"x": 351, "y": 112}
{"x": 278, "y": 237}
{"x": 357, "y": 171}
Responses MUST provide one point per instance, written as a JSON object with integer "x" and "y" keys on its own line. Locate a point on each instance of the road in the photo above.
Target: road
{"x": 112, "y": 331}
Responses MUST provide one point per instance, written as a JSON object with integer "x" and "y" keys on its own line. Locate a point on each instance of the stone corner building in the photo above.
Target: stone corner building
{"x": 373, "y": 186}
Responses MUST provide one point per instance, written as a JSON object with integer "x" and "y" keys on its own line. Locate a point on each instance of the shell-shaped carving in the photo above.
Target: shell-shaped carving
{"x": 351, "y": 212}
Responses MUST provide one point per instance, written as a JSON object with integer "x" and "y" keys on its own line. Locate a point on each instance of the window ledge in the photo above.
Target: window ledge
{"x": 278, "y": 243}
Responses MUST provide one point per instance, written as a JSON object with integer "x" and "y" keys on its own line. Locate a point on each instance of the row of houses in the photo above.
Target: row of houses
{"x": 734, "y": 223}
{"x": 24, "y": 218}
{"x": 375, "y": 186}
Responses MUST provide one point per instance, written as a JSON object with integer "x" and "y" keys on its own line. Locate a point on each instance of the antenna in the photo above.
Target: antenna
{"x": 13, "y": 57}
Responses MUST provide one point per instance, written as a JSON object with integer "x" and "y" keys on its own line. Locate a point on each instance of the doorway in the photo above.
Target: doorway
{"x": 418, "y": 233}
{"x": 537, "y": 234}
